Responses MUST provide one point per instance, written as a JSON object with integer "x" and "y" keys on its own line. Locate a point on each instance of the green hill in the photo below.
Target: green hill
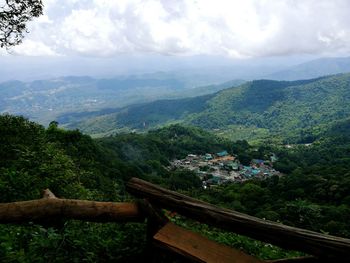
{"x": 288, "y": 109}
{"x": 140, "y": 116}
{"x": 291, "y": 109}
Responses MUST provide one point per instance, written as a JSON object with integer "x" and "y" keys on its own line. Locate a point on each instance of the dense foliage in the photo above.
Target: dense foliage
{"x": 314, "y": 194}
{"x": 72, "y": 165}
{"x": 293, "y": 110}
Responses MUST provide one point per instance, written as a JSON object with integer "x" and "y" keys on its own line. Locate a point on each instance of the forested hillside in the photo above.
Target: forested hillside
{"x": 313, "y": 194}
{"x": 73, "y": 165}
{"x": 142, "y": 116}
{"x": 63, "y": 160}
{"x": 291, "y": 110}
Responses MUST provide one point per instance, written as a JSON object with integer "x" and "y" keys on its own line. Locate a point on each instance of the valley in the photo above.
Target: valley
{"x": 232, "y": 109}
{"x": 174, "y": 131}
{"x": 293, "y": 168}
{"x": 46, "y": 100}
{"x": 290, "y": 111}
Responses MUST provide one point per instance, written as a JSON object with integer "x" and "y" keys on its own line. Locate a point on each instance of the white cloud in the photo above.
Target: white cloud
{"x": 33, "y": 48}
{"x": 233, "y": 28}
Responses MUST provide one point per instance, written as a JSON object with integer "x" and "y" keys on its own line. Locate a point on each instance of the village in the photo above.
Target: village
{"x": 222, "y": 168}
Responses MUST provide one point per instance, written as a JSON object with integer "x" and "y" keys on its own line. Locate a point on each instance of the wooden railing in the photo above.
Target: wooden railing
{"x": 323, "y": 246}
{"x": 164, "y": 234}
{"x": 51, "y": 207}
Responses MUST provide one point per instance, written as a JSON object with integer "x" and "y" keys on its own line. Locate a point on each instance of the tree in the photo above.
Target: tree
{"x": 14, "y": 15}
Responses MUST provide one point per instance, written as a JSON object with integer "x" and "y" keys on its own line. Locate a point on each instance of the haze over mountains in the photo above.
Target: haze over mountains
{"x": 288, "y": 108}
{"x": 313, "y": 69}
{"x": 207, "y": 69}
{"x": 45, "y": 100}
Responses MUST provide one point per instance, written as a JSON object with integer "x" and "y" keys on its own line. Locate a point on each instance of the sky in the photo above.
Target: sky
{"x": 166, "y": 30}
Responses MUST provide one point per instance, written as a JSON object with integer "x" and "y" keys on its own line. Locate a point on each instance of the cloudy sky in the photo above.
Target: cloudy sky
{"x": 231, "y": 29}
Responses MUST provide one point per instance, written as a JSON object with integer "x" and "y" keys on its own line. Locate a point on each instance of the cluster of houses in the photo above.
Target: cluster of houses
{"x": 223, "y": 168}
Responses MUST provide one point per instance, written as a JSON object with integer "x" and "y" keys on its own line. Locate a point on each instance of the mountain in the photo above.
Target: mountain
{"x": 313, "y": 69}
{"x": 293, "y": 109}
{"x": 140, "y": 116}
{"x": 44, "y": 100}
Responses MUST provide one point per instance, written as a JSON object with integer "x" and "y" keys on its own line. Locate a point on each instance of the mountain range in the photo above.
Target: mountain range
{"x": 313, "y": 69}
{"x": 141, "y": 102}
{"x": 292, "y": 109}
{"x": 45, "y": 100}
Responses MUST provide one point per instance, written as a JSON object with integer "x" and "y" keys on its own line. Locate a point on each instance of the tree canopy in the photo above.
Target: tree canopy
{"x": 14, "y": 15}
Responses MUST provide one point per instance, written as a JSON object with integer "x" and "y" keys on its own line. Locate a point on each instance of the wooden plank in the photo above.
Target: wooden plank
{"x": 197, "y": 247}
{"x": 50, "y": 207}
{"x": 320, "y": 245}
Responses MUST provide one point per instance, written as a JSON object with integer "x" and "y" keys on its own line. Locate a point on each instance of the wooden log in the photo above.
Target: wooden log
{"x": 196, "y": 247}
{"x": 51, "y": 207}
{"x": 320, "y": 245}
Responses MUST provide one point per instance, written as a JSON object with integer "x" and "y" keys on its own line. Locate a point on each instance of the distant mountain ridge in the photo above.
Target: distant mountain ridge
{"x": 288, "y": 108}
{"x": 44, "y": 100}
{"x": 97, "y": 105}
{"x": 313, "y": 69}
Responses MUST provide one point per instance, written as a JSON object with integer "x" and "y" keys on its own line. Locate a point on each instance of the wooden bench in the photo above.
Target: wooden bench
{"x": 199, "y": 248}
